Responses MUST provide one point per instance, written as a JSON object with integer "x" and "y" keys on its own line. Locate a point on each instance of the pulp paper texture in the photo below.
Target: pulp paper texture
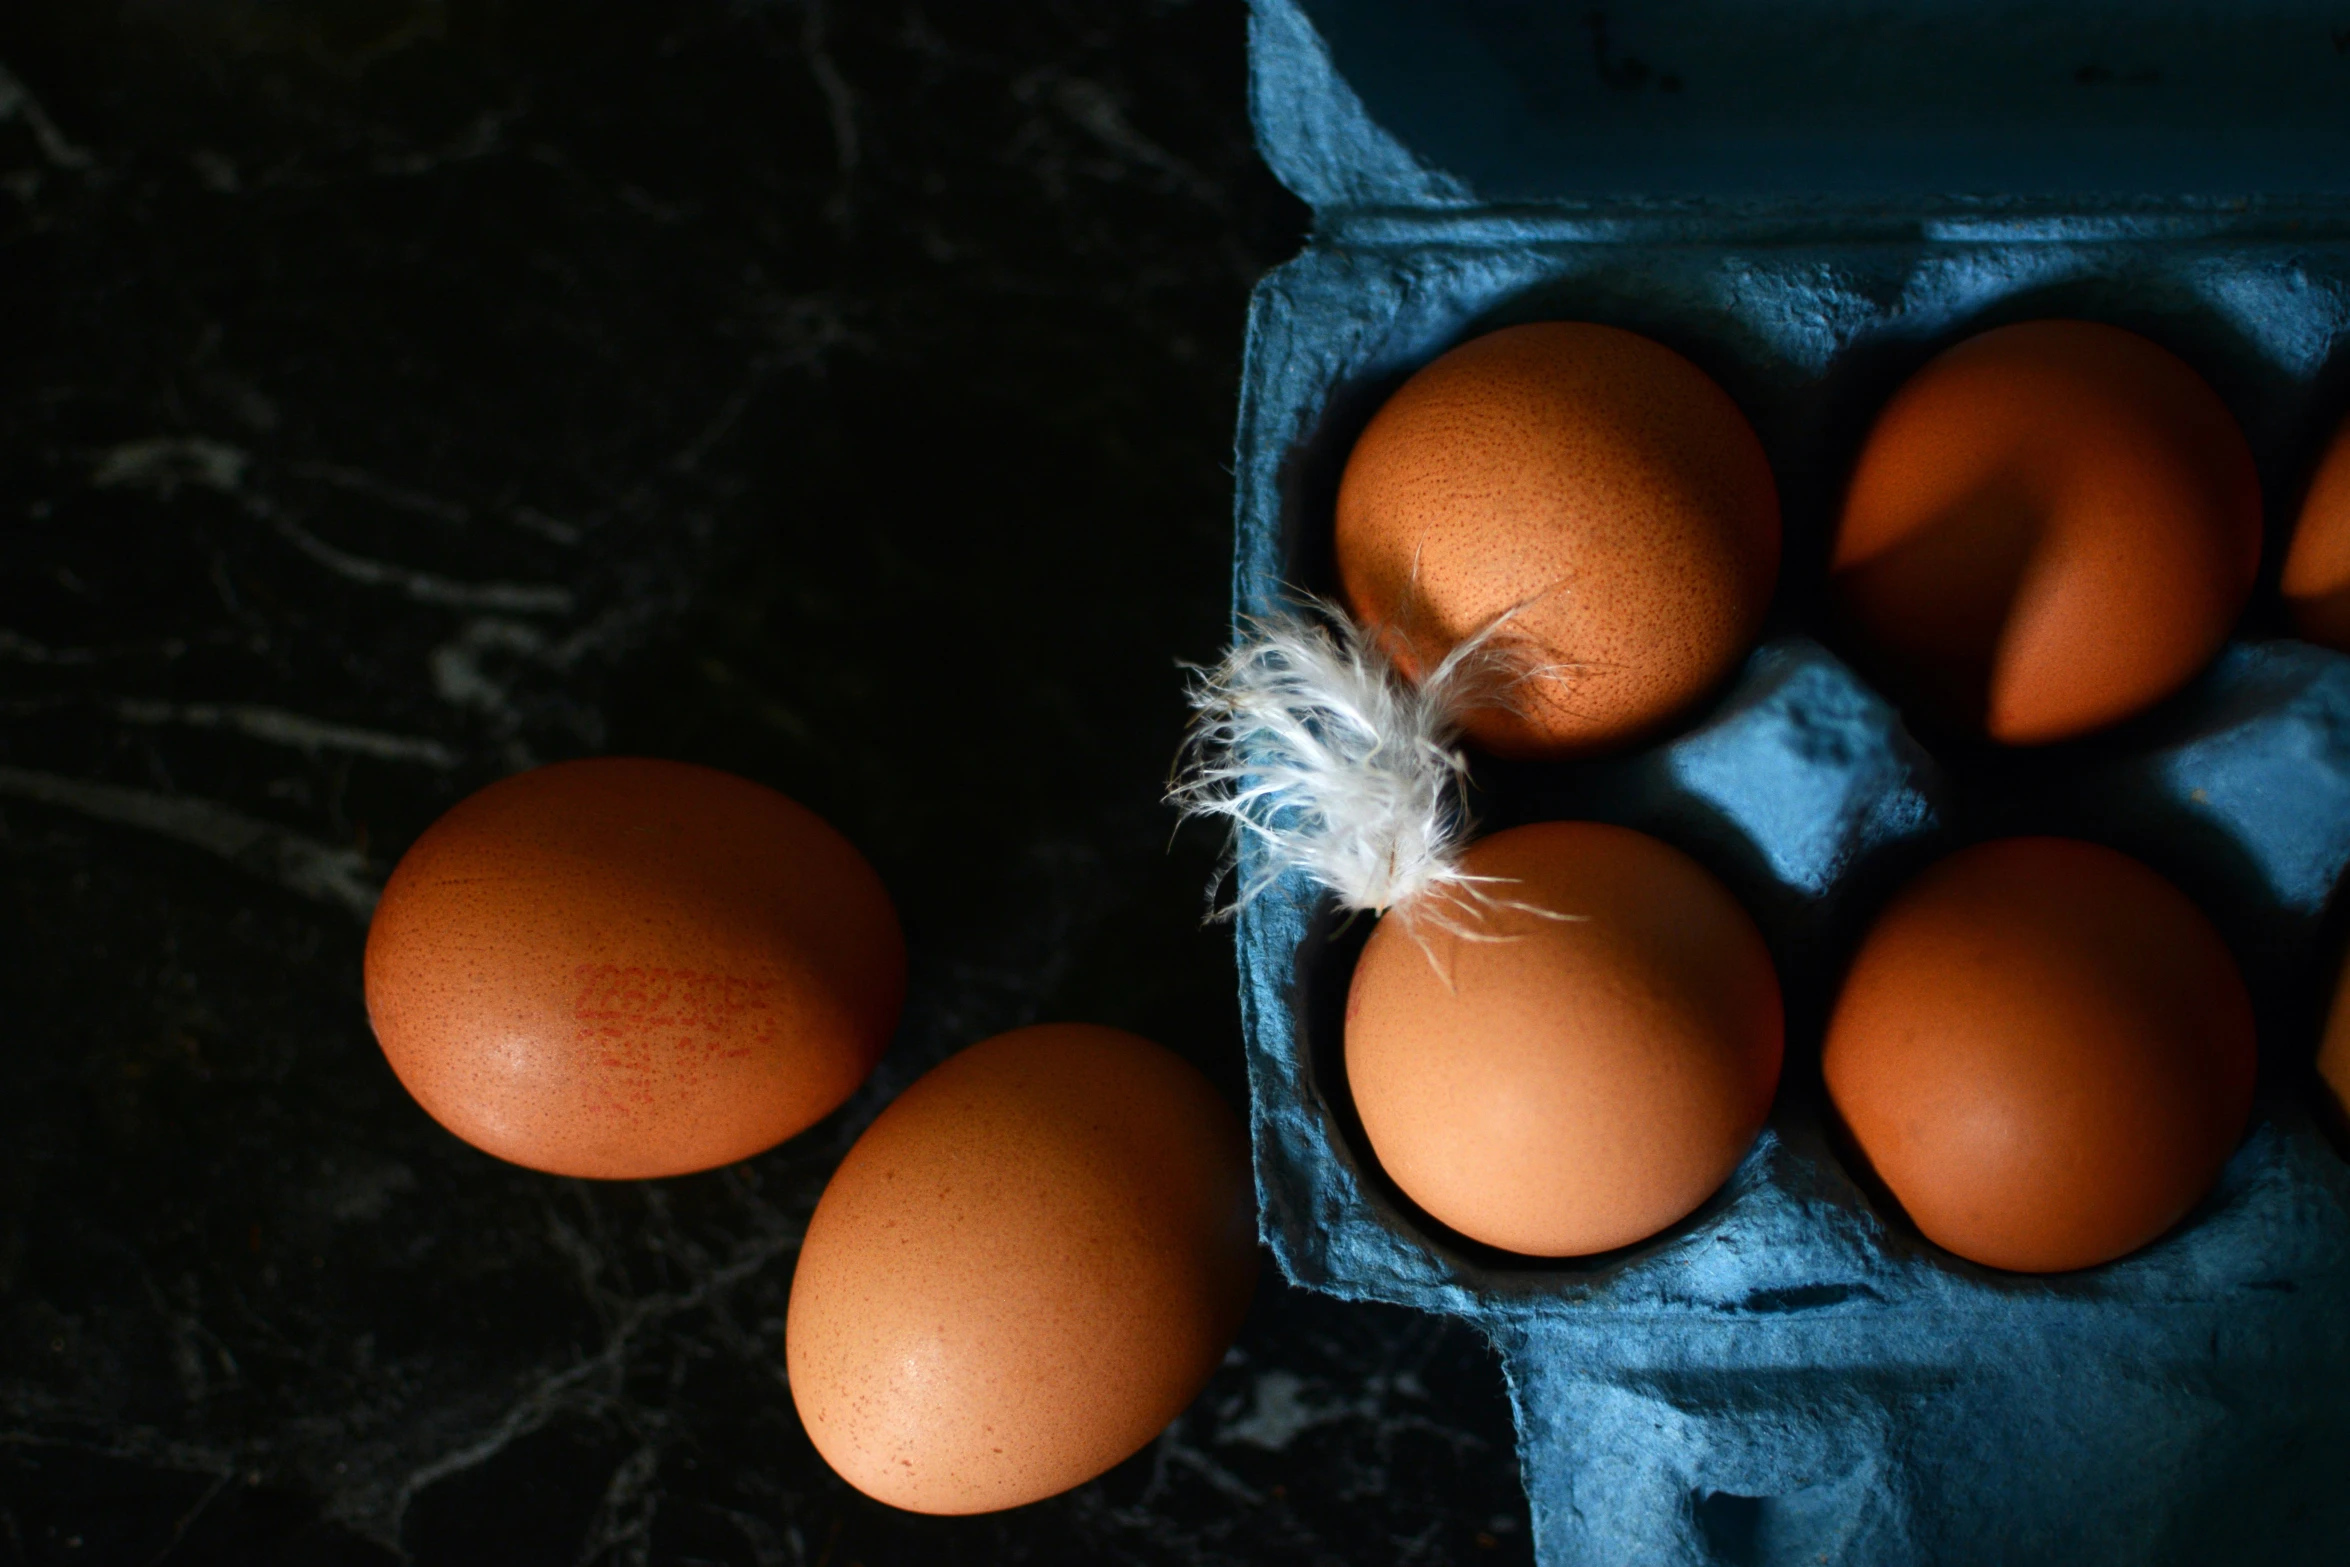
{"x": 1791, "y": 1375}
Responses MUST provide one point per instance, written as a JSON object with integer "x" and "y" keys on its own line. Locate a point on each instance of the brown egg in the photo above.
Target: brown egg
{"x": 1595, "y": 478}
{"x": 1024, "y": 1269}
{"x": 628, "y": 968}
{"x": 2333, "y": 1052}
{"x": 2317, "y": 568}
{"x": 1576, "y": 1084}
{"x": 2051, "y": 527}
{"x": 2044, "y": 1052}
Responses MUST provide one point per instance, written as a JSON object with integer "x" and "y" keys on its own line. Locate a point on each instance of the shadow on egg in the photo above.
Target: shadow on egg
{"x": 2109, "y": 788}
{"x": 2301, "y": 505}
{"x": 1312, "y": 468}
{"x": 2303, "y": 1057}
{"x": 1900, "y": 1233}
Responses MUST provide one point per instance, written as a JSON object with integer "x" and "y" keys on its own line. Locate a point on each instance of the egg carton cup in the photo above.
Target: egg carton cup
{"x": 1792, "y": 1374}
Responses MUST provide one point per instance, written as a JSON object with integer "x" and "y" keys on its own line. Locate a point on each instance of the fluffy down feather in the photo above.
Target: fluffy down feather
{"x": 1310, "y": 742}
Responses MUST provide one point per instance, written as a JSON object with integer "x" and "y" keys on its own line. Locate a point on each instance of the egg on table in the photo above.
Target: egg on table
{"x": 1027, "y": 1265}
{"x": 623, "y": 967}
{"x": 2045, "y": 1053}
{"x": 2051, "y": 527}
{"x": 1583, "y": 1064}
{"x": 1591, "y": 481}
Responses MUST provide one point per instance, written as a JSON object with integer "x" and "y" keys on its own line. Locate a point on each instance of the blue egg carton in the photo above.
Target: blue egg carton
{"x": 1793, "y": 1375}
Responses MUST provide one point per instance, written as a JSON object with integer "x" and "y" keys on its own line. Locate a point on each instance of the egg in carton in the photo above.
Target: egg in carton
{"x": 1792, "y": 1372}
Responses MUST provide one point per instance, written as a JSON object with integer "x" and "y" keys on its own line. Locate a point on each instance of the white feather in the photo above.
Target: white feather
{"x": 1309, "y": 741}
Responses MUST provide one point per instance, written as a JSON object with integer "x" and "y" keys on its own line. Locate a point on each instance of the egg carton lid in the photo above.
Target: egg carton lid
{"x": 1449, "y": 104}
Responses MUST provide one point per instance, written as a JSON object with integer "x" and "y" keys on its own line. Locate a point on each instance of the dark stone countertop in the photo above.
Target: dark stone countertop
{"x": 397, "y": 393}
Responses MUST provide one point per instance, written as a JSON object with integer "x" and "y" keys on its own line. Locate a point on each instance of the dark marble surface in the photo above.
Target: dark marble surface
{"x": 396, "y": 393}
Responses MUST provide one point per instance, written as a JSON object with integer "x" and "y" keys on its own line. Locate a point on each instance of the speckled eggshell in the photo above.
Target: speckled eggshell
{"x": 1576, "y": 1084}
{"x": 1027, "y": 1266}
{"x": 626, "y": 968}
{"x": 2316, "y": 583}
{"x": 2045, "y": 1053}
{"x": 2052, "y": 526}
{"x": 1597, "y": 479}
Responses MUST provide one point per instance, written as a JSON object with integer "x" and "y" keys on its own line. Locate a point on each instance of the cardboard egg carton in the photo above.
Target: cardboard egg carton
{"x": 1792, "y": 1374}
